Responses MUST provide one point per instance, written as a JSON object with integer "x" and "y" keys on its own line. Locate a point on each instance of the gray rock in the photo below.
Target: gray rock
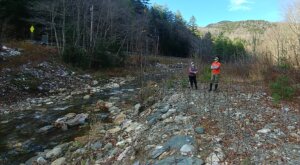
{"x": 97, "y": 145}
{"x": 114, "y": 110}
{"x": 108, "y": 146}
{"x": 45, "y": 129}
{"x": 136, "y": 163}
{"x": 165, "y": 109}
{"x": 157, "y": 152}
{"x": 79, "y": 151}
{"x": 41, "y": 161}
{"x": 181, "y": 119}
{"x": 264, "y": 130}
{"x": 54, "y": 153}
{"x": 176, "y": 142}
{"x": 152, "y": 119}
{"x": 86, "y": 97}
{"x": 78, "y": 119}
{"x": 179, "y": 160}
{"x": 187, "y": 149}
{"x": 175, "y": 98}
{"x": 59, "y": 161}
{"x": 291, "y": 128}
{"x": 95, "y": 82}
{"x": 137, "y": 107}
{"x": 215, "y": 157}
{"x": 113, "y": 152}
{"x": 169, "y": 113}
{"x": 199, "y": 130}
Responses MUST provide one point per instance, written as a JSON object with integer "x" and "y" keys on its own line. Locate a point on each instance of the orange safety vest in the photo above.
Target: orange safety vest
{"x": 216, "y": 65}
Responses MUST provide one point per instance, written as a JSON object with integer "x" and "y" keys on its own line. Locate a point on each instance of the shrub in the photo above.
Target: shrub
{"x": 281, "y": 88}
{"x": 284, "y": 64}
{"x": 206, "y": 74}
{"x": 170, "y": 83}
{"x": 184, "y": 83}
{"x": 107, "y": 55}
{"x": 106, "y": 59}
{"x": 76, "y": 56}
{"x": 26, "y": 82}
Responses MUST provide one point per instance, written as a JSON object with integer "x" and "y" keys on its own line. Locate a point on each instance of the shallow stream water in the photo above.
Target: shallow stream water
{"x": 19, "y": 135}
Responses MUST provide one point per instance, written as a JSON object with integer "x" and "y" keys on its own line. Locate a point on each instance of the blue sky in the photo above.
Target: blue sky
{"x": 213, "y": 11}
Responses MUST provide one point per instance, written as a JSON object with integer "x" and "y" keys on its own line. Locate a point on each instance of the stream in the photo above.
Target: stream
{"x": 19, "y": 135}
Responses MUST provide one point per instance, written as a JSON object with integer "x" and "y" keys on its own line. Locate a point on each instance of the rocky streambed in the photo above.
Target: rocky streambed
{"x": 40, "y": 123}
{"x": 237, "y": 125}
{"x": 46, "y": 104}
{"x": 163, "y": 123}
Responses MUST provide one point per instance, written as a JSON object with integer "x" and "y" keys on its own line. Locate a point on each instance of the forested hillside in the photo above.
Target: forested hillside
{"x": 101, "y": 33}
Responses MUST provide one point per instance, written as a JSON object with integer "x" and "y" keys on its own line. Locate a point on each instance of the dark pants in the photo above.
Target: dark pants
{"x": 193, "y": 80}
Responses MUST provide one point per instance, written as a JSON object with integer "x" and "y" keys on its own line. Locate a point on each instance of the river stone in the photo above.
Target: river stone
{"x": 215, "y": 157}
{"x": 187, "y": 149}
{"x": 290, "y": 128}
{"x": 157, "y": 151}
{"x": 78, "y": 119}
{"x": 181, "y": 119}
{"x": 152, "y": 119}
{"x": 45, "y": 129}
{"x": 4, "y": 122}
{"x": 41, "y": 161}
{"x": 95, "y": 82}
{"x": 119, "y": 119}
{"x": 114, "y": 130}
{"x": 121, "y": 144}
{"x": 61, "y": 108}
{"x": 70, "y": 115}
{"x": 115, "y": 85}
{"x": 86, "y": 97}
{"x": 164, "y": 108}
{"x": 113, "y": 152}
{"x": 108, "y": 104}
{"x": 169, "y": 113}
{"x": 264, "y": 130}
{"x": 176, "y": 142}
{"x": 54, "y": 153}
{"x": 114, "y": 109}
{"x": 136, "y": 163}
{"x": 108, "y": 146}
{"x": 179, "y": 160}
{"x": 174, "y": 98}
{"x": 59, "y": 161}
{"x": 199, "y": 130}
{"x": 97, "y": 145}
{"x": 133, "y": 126}
{"x": 137, "y": 107}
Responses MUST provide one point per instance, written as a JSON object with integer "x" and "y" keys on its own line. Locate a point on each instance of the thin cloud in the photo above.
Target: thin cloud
{"x": 240, "y": 5}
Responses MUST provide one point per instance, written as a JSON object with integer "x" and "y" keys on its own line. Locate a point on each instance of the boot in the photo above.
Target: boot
{"x": 216, "y": 87}
{"x": 210, "y": 87}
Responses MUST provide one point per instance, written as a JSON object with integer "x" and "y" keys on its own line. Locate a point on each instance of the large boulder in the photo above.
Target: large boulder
{"x": 71, "y": 119}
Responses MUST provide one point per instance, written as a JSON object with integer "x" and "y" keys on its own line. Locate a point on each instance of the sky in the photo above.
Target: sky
{"x": 213, "y": 11}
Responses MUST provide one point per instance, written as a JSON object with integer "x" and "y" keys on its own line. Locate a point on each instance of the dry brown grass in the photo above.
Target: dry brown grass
{"x": 29, "y": 53}
{"x": 136, "y": 60}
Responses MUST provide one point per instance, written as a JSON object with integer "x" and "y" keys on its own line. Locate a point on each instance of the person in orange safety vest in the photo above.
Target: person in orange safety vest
{"x": 215, "y": 73}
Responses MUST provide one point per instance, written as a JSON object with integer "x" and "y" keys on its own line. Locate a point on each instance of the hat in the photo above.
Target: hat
{"x": 216, "y": 58}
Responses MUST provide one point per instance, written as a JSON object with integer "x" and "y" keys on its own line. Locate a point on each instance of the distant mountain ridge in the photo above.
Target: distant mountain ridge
{"x": 248, "y": 25}
{"x": 238, "y": 29}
